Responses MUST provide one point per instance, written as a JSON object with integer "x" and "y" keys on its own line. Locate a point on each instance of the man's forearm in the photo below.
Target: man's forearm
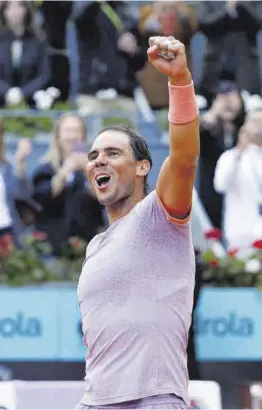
{"x": 184, "y": 79}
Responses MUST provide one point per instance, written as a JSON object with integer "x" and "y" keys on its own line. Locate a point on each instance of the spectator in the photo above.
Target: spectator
{"x": 238, "y": 176}
{"x": 218, "y": 132}
{"x": 109, "y": 56}
{"x": 56, "y": 14}
{"x": 164, "y": 18}
{"x": 231, "y": 29}
{"x": 60, "y": 186}
{"x": 13, "y": 185}
{"x": 24, "y": 62}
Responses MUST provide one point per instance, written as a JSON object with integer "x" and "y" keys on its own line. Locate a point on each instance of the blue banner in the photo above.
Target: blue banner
{"x": 44, "y": 324}
{"x": 27, "y": 324}
{"x": 229, "y": 325}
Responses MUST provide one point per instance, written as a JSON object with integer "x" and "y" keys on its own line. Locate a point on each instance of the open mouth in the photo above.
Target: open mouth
{"x": 102, "y": 180}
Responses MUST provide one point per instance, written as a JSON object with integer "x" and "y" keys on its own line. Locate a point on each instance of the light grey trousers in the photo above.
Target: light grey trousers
{"x": 163, "y": 402}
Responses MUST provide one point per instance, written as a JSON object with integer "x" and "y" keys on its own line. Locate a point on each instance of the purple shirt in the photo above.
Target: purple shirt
{"x": 136, "y": 295}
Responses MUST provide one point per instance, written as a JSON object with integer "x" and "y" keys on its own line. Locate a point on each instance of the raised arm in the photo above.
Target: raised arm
{"x": 176, "y": 179}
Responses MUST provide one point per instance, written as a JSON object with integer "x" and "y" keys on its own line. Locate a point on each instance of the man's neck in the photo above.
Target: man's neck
{"x": 122, "y": 208}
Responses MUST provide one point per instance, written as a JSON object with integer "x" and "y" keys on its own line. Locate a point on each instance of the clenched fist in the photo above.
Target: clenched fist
{"x": 168, "y": 56}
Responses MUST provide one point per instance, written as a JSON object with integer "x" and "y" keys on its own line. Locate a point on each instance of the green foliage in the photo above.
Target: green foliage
{"x": 29, "y": 126}
{"x": 232, "y": 271}
{"x": 72, "y": 258}
{"x": 117, "y": 120}
{"x": 34, "y": 263}
{"x": 24, "y": 266}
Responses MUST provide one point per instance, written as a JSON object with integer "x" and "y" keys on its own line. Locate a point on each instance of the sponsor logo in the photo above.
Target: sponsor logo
{"x": 222, "y": 326}
{"x": 20, "y": 326}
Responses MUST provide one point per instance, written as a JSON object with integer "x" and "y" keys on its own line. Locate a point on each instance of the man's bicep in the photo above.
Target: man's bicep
{"x": 175, "y": 186}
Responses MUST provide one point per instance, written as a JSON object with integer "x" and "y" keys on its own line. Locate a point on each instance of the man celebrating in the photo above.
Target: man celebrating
{"x": 136, "y": 288}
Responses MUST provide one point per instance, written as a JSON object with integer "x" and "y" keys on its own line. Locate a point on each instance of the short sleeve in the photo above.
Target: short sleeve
{"x": 152, "y": 211}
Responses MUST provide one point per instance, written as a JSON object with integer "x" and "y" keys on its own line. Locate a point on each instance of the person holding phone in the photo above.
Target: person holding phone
{"x": 60, "y": 186}
{"x": 238, "y": 176}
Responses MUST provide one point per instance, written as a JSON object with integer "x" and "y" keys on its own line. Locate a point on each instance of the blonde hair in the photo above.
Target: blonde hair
{"x": 2, "y": 145}
{"x": 54, "y": 154}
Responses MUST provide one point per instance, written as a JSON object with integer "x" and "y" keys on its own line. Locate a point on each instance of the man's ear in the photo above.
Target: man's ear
{"x": 143, "y": 168}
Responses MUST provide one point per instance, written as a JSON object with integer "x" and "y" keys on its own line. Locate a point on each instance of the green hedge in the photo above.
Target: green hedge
{"x": 28, "y": 126}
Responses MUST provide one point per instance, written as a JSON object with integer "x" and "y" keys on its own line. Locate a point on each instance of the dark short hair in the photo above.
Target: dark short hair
{"x": 137, "y": 143}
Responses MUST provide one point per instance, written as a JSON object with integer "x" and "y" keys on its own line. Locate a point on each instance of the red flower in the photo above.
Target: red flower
{"x": 213, "y": 233}
{"x": 214, "y": 263}
{"x": 6, "y": 245}
{"x": 39, "y": 236}
{"x": 232, "y": 252}
{"x": 75, "y": 243}
{"x": 257, "y": 244}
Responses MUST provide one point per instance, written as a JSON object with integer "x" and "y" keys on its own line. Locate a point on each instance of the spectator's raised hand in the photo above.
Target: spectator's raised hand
{"x": 127, "y": 43}
{"x": 243, "y": 139}
{"x": 75, "y": 162}
{"x": 217, "y": 110}
{"x": 24, "y": 149}
{"x": 209, "y": 119}
{"x": 218, "y": 106}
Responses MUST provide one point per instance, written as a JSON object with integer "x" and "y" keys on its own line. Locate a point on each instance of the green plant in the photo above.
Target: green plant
{"x": 117, "y": 120}
{"x": 28, "y": 126}
{"x": 24, "y": 266}
{"x": 72, "y": 258}
{"x": 232, "y": 269}
{"x": 34, "y": 263}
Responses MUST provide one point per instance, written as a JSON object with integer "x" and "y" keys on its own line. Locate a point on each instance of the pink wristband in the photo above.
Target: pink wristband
{"x": 182, "y": 104}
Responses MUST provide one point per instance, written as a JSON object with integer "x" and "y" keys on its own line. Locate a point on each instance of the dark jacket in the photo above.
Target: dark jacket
{"x": 101, "y": 64}
{"x": 34, "y": 70}
{"x": 56, "y": 15}
{"x": 212, "y": 146}
{"x": 231, "y": 50}
{"x": 74, "y": 212}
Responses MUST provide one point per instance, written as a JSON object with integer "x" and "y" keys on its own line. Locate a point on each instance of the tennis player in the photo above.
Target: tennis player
{"x": 136, "y": 288}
